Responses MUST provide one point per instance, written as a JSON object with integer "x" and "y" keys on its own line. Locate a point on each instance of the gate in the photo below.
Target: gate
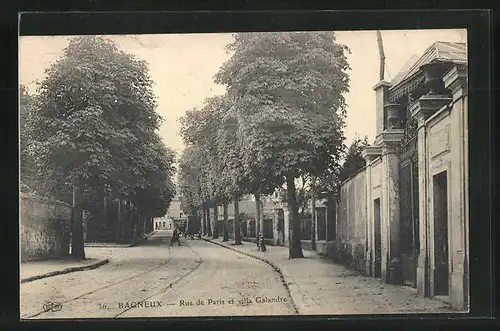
{"x": 268, "y": 228}
{"x": 408, "y": 194}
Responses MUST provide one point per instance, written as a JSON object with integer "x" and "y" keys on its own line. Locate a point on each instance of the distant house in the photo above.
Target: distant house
{"x": 174, "y": 214}
{"x": 175, "y": 209}
{"x": 162, "y": 223}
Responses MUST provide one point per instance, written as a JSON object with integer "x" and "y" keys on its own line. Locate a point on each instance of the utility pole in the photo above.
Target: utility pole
{"x": 382, "y": 55}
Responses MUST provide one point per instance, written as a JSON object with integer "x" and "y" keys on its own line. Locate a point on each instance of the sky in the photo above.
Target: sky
{"x": 182, "y": 68}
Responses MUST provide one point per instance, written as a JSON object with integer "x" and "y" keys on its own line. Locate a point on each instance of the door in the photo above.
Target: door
{"x": 409, "y": 237}
{"x": 440, "y": 200}
{"x": 378, "y": 242}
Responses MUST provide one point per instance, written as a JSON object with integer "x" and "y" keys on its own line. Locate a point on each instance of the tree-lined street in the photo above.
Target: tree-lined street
{"x": 204, "y": 279}
{"x": 168, "y": 280}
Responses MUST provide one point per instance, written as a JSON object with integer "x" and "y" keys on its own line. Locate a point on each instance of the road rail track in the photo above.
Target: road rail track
{"x": 199, "y": 261}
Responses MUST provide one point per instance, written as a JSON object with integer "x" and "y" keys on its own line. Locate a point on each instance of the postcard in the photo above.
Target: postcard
{"x": 243, "y": 174}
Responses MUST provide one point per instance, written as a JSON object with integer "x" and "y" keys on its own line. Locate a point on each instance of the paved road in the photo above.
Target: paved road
{"x": 155, "y": 280}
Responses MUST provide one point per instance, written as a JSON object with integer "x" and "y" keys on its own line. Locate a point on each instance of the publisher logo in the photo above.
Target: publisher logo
{"x": 52, "y": 306}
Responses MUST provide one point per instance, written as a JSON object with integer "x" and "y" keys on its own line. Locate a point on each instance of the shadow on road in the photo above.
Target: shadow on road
{"x": 159, "y": 238}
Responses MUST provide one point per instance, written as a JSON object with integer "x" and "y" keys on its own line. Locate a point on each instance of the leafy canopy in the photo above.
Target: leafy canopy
{"x": 354, "y": 160}
{"x": 96, "y": 125}
{"x": 288, "y": 90}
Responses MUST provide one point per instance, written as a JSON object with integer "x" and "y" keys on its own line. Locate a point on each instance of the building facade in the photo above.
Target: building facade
{"x": 174, "y": 212}
{"x": 175, "y": 209}
{"x": 405, "y": 217}
{"x": 163, "y": 223}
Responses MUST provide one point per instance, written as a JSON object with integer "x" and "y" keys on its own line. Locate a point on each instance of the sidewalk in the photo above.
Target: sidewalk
{"x": 96, "y": 257}
{"x": 319, "y": 286}
{"x": 31, "y": 271}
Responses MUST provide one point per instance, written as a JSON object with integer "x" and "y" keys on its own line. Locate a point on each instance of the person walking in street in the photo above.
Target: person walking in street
{"x": 175, "y": 237}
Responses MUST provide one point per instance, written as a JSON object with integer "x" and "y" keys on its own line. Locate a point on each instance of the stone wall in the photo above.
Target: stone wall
{"x": 44, "y": 228}
{"x": 446, "y": 142}
{"x": 350, "y": 244}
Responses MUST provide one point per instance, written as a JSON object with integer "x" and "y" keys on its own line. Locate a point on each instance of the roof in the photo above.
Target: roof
{"x": 440, "y": 51}
{"x": 406, "y": 67}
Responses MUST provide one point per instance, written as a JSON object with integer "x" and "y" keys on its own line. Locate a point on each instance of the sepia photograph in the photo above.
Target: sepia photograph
{"x": 243, "y": 174}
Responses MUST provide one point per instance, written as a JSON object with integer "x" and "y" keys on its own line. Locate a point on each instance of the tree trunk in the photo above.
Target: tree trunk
{"x": 131, "y": 220}
{"x": 209, "y": 223}
{"x": 104, "y": 220}
{"x": 294, "y": 248}
{"x": 118, "y": 219}
{"x": 77, "y": 242}
{"x": 225, "y": 234}
{"x": 137, "y": 224}
{"x": 313, "y": 214}
{"x": 215, "y": 234}
{"x": 134, "y": 221}
{"x": 143, "y": 222}
{"x": 237, "y": 226}
{"x": 259, "y": 221}
{"x": 128, "y": 219}
{"x": 203, "y": 221}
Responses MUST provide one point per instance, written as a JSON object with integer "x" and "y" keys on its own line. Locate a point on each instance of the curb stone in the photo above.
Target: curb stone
{"x": 142, "y": 238}
{"x": 290, "y": 286}
{"x": 121, "y": 245}
{"x": 66, "y": 271}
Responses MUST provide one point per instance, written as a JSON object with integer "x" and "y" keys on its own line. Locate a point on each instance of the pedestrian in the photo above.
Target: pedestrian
{"x": 175, "y": 238}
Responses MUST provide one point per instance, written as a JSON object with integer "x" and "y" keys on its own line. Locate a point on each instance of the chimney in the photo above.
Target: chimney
{"x": 381, "y": 93}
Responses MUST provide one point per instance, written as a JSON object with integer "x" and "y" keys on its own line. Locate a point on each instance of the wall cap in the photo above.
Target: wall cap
{"x": 456, "y": 77}
{"x": 427, "y": 105}
{"x": 382, "y": 83}
{"x": 389, "y": 136}
{"x": 34, "y": 197}
{"x": 371, "y": 151}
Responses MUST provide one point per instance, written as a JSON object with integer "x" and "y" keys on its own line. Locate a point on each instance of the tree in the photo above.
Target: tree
{"x": 96, "y": 127}
{"x": 288, "y": 90}
{"x": 189, "y": 181}
{"x": 26, "y": 128}
{"x": 199, "y": 129}
{"x": 232, "y": 173}
{"x": 190, "y": 190}
{"x": 303, "y": 188}
{"x": 214, "y": 155}
{"x": 354, "y": 160}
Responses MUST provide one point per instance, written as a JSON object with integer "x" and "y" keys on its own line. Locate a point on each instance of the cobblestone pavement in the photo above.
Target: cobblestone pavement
{"x": 155, "y": 280}
{"x": 319, "y": 286}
